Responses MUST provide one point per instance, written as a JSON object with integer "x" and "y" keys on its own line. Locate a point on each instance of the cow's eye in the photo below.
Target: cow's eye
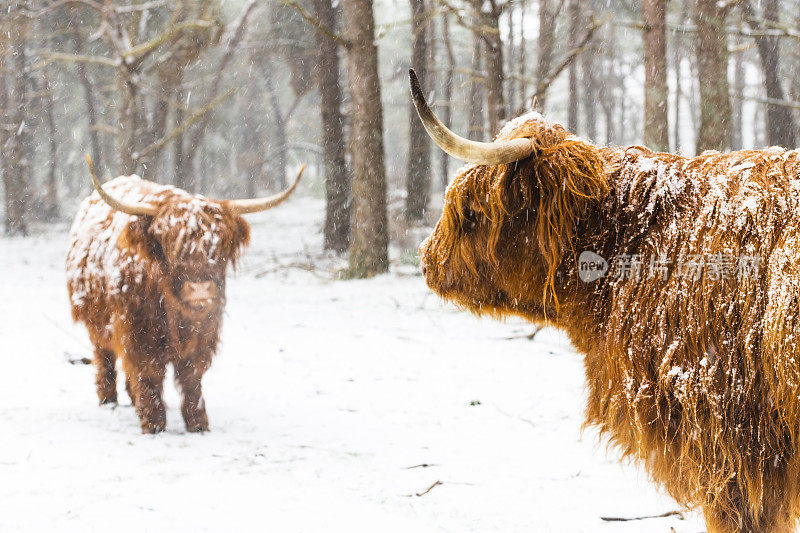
{"x": 470, "y": 218}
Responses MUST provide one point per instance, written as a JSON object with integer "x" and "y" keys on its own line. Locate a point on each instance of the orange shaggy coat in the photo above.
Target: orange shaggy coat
{"x": 125, "y": 275}
{"x": 697, "y": 376}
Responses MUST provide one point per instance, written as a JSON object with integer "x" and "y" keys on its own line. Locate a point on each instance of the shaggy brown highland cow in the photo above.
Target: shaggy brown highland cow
{"x": 693, "y": 367}
{"x": 146, "y": 273}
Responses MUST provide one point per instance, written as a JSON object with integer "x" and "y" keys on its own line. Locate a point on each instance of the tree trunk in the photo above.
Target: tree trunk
{"x": 712, "y": 66}
{"x": 476, "y": 127}
{"x": 574, "y": 97}
{"x": 737, "y": 103}
{"x": 128, "y": 125}
{"x": 447, "y": 112}
{"x": 654, "y": 39}
{"x": 511, "y": 59}
{"x": 780, "y": 123}
{"x": 52, "y": 212}
{"x": 546, "y": 42}
{"x": 180, "y": 168}
{"x": 623, "y": 115}
{"x": 337, "y": 177}
{"x": 521, "y": 74}
{"x": 89, "y": 98}
{"x": 15, "y": 162}
{"x": 369, "y": 238}
{"x": 495, "y": 75}
{"x": 279, "y": 122}
{"x": 590, "y": 91}
{"x": 418, "y": 163}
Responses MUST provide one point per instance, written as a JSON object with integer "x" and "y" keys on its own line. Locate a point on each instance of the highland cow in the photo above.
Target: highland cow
{"x": 686, "y": 306}
{"x": 146, "y": 273}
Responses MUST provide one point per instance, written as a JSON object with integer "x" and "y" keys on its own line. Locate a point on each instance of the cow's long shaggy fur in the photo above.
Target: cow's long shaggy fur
{"x": 694, "y": 372}
{"x": 125, "y": 275}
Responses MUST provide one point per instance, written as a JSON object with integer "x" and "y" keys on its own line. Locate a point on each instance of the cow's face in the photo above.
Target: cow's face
{"x": 504, "y": 229}
{"x": 469, "y": 256}
{"x": 194, "y": 241}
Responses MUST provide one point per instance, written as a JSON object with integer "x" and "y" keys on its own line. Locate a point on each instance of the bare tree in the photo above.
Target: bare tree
{"x": 337, "y": 176}
{"x": 591, "y": 88}
{"x": 90, "y": 100}
{"x": 418, "y": 162}
{"x": 476, "y": 128}
{"x": 495, "y": 74}
{"x": 780, "y": 123}
{"x": 447, "y": 112}
{"x": 712, "y": 64}
{"x": 574, "y": 13}
{"x": 737, "y": 107}
{"x": 14, "y": 95}
{"x": 548, "y": 12}
{"x": 656, "y": 112}
{"x": 369, "y": 238}
{"x": 677, "y": 68}
{"x": 522, "y": 56}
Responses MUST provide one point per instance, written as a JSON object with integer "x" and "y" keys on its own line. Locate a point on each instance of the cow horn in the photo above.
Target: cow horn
{"x": 142, "y": 208}
{"x": 495, "y": 153}
{"x": 254, "y": 205}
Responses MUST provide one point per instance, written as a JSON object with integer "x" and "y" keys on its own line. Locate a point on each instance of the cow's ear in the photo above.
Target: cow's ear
{"x": 242, "y": 236}
{"x": 138, "y": 233}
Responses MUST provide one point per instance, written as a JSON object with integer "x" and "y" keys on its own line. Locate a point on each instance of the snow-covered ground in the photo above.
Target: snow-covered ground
{"x": 334, "y": 405}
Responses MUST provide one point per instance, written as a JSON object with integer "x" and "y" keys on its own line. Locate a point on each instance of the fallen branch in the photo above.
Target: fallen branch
{"x": 530, "y": 336}
{"x": 426, "y": 491}
{"x": 634, "y": 518}
{"x": 76, "y": 359}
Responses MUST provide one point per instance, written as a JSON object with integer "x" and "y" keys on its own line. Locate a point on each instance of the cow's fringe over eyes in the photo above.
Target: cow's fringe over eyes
{"x": 554, "y": 186}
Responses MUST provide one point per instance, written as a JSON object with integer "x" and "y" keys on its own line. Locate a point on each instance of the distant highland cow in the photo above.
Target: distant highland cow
{"x": 146, "y": 273}
{"x": 677, "y": 278}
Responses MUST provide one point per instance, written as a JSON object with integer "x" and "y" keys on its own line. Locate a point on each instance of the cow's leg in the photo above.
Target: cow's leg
{"x": 106, "y": 378}
{"x": 189, "y": 375}
{"x": 147, "y": 384}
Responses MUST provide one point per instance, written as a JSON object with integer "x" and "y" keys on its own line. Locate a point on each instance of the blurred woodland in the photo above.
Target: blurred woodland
{"x": 228, "y": 98}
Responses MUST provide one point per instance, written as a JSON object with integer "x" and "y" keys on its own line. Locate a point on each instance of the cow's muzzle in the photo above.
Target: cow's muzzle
{"x": 199, "y": 293}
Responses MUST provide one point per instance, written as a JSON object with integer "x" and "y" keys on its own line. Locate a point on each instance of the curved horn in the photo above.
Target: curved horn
{"x": 254, "y": 205}
{"x": 142, "y": 208}
{"x": 496, "y": 153}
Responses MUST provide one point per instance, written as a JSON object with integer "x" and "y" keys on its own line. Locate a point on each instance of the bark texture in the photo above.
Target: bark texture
{"x": 369, "y": 237}
{"x": 337, "y": 176}
{"x": 712, "y": 66}
{"x": 656, "y": 112}
{"x": 418, "y": 164}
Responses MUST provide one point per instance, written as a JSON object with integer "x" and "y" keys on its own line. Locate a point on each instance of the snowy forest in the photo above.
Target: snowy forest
{"x": 229, "y": 98}
{"x": 353, "y": 387}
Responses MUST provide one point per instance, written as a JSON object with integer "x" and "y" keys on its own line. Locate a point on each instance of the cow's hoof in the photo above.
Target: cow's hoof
{"x": 151, "y": 429}
{"x": 197, "y": 426}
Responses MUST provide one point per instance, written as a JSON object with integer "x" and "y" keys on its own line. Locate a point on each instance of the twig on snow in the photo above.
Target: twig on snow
{"x": 76, "y": 359}
{"x": 633, "y": 518}
{"x": 426, "y": 491}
